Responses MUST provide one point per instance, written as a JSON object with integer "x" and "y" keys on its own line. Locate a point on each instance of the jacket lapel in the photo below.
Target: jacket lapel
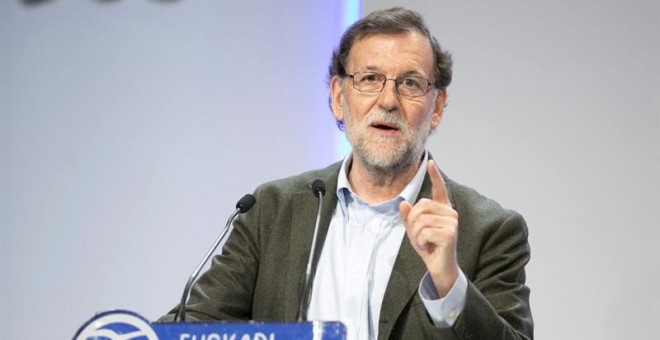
{"x": 406, "y": 274}
{"x": 402, "y": 287}
{"x": 303, "y": 219}
{"x": 404, "y": 280}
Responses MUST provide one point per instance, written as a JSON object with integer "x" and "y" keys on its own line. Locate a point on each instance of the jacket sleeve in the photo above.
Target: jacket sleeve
{"x": 497, "y": 299}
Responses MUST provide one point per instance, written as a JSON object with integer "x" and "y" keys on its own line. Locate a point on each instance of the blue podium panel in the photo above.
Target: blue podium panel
{"x": 126, "y": 325}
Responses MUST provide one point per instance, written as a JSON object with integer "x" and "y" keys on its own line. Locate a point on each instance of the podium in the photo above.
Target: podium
{"x": 127, "y": 325}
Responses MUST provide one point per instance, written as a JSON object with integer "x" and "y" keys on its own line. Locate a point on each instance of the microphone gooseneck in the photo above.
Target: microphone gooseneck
{"x": 244, "y": 204}
{"x": 318, "y": 188}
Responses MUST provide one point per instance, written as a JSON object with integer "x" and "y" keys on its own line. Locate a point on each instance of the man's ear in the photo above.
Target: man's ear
{"x": 439, "y": 108}
{"x": 337, "y": 97}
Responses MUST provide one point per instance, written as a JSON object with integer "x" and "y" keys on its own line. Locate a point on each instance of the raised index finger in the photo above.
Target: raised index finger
{"x": 439, "y": 188}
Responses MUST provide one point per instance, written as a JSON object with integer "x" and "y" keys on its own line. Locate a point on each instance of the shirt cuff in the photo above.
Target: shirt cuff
{"x": 443, "y": 311}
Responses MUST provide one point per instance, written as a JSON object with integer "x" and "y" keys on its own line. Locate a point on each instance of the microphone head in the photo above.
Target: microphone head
{"x": 245, "y": 203}
{"x": 318, "y": 187}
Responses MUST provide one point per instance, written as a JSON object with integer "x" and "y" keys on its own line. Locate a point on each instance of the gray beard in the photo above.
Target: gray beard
{"x": 384, "y": 168}
{"x": 387, "y": 166}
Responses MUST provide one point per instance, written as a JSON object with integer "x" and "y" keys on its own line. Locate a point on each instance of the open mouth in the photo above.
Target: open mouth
{"x": 385, "y": 126}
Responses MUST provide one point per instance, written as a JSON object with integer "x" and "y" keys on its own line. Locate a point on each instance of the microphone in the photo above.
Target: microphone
{"x": 318, "y": 188}
{"x": 244, "y": 204}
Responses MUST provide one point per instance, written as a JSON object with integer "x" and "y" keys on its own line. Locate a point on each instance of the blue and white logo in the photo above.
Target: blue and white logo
{"x": 116, "y": 325}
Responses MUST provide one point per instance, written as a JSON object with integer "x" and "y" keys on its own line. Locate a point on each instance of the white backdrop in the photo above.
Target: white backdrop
{"x": 129, "y": 131}
{"x": 555, "y": 112}
{"x": 129, "y": 128}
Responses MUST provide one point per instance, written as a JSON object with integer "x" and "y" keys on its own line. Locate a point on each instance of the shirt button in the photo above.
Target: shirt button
{"x": 453, "y": 314}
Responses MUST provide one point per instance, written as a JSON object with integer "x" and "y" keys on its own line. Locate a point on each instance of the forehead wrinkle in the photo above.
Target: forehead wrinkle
{"x": 370, "y": 68}
{"x": 406, "y": 52}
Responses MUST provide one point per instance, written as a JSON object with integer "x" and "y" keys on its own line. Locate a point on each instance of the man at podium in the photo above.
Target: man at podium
{"x": 403, "y": 252}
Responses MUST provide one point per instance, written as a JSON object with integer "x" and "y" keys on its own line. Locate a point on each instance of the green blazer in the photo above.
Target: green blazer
{"x": 260, "y": 272}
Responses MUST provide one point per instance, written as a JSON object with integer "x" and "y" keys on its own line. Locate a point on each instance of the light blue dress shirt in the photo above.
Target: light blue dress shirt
{"x": 361, "y": 246}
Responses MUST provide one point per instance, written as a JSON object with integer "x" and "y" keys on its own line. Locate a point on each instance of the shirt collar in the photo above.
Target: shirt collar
{"x": 409, "y": 193}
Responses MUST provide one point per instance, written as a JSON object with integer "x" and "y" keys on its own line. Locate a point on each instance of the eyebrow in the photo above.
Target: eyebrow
{"x": 413, "y": 73}
{"x": 372, "y": 68}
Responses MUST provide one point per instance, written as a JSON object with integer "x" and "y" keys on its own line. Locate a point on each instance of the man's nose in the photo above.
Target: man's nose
{"x": 388, "y": 98}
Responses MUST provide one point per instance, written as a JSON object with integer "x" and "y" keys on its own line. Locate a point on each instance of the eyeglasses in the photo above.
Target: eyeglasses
{"x": 406, "y": 86}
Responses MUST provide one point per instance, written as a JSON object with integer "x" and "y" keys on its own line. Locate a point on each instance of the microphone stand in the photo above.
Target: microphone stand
{"x": 243, "y": 205}
{"x": 318, "y": 187}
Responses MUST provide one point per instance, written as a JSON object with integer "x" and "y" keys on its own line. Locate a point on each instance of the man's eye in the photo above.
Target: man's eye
{"x": 411, "y": 82}
{"x": 369, "y": 78}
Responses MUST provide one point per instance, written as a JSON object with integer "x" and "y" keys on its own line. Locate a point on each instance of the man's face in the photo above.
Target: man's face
{"x": 387, "y": 131}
